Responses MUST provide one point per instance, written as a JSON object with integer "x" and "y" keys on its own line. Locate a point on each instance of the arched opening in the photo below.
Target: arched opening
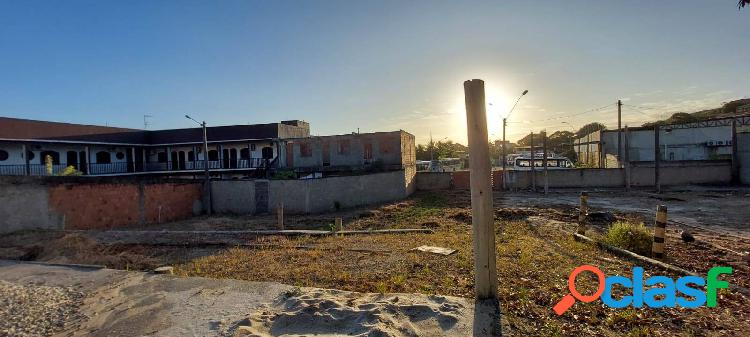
{"x": 213, "y": 155}
{"x": 55, "y": 157}
{"x": 72, "y": 159}
{"x": 267, "y": 152}
{"x": 103, "y": 157}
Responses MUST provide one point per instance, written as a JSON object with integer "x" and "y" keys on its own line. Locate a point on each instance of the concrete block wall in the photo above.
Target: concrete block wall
{"x": 426, "y": 181}
{"x": 233, "y": 196}
{"x": 312, "y": 195}
{"x": 697, "y": 173}
{"x": 93, "y": 203}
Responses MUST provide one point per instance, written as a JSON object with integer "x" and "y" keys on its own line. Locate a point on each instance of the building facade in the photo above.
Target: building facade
{"x": 700, "y": 141}
{"x": 29, "y": 147}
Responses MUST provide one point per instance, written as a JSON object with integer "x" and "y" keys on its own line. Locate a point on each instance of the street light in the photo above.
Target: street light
{"x": 207, "y": 184}
{"x": 505, "y": 124}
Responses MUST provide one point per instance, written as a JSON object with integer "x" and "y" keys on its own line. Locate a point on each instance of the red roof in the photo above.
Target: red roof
{"x": 15, "y": 128}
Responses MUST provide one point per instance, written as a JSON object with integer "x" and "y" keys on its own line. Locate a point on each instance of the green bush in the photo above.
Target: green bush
{"x": 284, "y": 175}
{"x": 631, "y": 236}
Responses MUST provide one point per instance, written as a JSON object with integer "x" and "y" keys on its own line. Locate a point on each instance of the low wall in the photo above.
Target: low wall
{"x": 672, "y": 174}
{"x": 433, "y": 180}
{"x": 93, "y": 203}
{"x": 311, "y": 195}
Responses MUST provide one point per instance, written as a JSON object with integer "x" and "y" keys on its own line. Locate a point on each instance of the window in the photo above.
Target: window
{"x": 3, "y": 155}
{"x": 305, "y": 150}
{"x": 191, "y": 156}
{"x": 368, "y": 151}
{"x": 71, "y": 158}
{"x": 103, "y": 157}
{"x": 344, "y": 146}
{"x": 252, "y": 147}
{"x": 29, "y": 155}
{"x": 120, "y": 155}
{"x": 161, "y": 157}
{"x": 386, "y": 146}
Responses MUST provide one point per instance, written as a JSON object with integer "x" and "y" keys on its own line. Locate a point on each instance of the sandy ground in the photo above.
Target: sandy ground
{"x": 122, "y": 303}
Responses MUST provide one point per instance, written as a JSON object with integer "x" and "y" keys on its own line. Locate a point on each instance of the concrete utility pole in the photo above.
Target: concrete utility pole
{"x": 735, "y": 158}
{"x": 657, "y": 159}
{"x": 505, "y": 123}
{"x": 544, "y": 162}
{"x": 482, "y": 216}
{"x": 207, "y": 182}
{"x": 619, "y": 132}
{"x": 533, "y": 168}
{"x": 627, "y": 159}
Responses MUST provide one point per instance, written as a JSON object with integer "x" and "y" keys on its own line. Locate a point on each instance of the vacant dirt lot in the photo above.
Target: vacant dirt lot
{"x": 534, "y": 256}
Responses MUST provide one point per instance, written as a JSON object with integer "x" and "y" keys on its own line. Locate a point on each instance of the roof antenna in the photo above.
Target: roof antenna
{"x": 145, "y": 121}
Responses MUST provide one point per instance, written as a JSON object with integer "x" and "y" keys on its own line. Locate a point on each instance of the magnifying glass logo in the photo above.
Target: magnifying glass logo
{"x": 570, "y": 299}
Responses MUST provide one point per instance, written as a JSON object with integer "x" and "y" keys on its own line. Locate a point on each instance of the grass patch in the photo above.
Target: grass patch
{"x": 634, "y": 237}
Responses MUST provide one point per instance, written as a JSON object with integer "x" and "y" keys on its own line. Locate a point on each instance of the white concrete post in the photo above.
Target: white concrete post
{"x": 482, "y": 216}
{"x": 280, "y": 215}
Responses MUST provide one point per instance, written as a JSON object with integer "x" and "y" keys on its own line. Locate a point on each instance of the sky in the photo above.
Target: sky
{"x": 345, "y": 66}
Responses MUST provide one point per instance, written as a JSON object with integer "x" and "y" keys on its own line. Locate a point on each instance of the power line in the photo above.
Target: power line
{"x": 571, "y": 115}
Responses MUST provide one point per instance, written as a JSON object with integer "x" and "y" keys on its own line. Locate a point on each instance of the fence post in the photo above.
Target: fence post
{"x": 339, "y": 224}
{"x": 482, "y": 215}
{"x": 657, "y": 159}
{"x": 660, "y": 228}
{"x": 280, "y": 215}
{"x": 582, "y": 211}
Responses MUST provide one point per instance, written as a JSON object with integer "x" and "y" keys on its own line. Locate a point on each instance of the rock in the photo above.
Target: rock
{"x": 687, "y": 237}
{"x": 607, "y": 217}
{"x": 244, "y": 331}
{"x": 164, "y": 270}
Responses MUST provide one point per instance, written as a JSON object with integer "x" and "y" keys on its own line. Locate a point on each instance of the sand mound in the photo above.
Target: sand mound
{"x": 338, "y": 313}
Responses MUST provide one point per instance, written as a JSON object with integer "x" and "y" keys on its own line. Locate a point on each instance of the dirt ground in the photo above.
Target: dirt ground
{"x": 534, "y": 256}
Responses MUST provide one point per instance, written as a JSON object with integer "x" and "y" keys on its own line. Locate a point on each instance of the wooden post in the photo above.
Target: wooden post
{"x": 627, "y": 159}
{"x": 544, "y": 162}
{"x": 280, "y": 215}
{"x": 583, "y": 209}
{"x": 482, "y": 216}
{"x": 660, "y": 227}
{"x": 657, "y": 159}
{"x": 339, "y": 224}
{"x": 533, "y": 165}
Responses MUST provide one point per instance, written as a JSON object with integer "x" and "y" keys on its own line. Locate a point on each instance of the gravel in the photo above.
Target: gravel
{"x": 36, "y": 310}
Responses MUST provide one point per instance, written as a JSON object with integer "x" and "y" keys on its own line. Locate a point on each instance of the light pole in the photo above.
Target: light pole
{"x": 504, "y": 125}
{"x": 207, "y": 182}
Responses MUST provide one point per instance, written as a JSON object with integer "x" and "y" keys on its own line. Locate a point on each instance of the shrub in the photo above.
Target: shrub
{"x": 634, "y": 237}
{"x": 284, "y": 175}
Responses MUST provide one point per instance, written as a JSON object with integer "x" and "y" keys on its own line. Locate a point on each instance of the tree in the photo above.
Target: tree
{"x": 589, "y": 128}
{"x": 440, "y": 149}
{"x": 742, "y": 3}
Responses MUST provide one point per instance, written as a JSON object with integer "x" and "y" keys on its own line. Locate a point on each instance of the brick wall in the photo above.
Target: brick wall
{"x": 461, "y": 180}
{"x": 106, "y": 206}
{"x": 169, "y": 202}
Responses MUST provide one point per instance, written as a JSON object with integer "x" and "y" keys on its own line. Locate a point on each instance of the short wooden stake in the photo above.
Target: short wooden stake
{"x": 280, "y": 215}
{"x": 583, "y": 209}
{"x": 482, "y": 214}
{"x": 339, "y": 224}
{"x": 660, "y": 228}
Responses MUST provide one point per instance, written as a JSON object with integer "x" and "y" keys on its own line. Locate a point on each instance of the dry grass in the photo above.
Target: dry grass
{"x": 533, "y": 264}
{"x": 534, "y": 261}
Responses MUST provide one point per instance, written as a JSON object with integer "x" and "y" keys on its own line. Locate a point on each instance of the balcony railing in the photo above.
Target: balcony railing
{"x": 125, "y": 167}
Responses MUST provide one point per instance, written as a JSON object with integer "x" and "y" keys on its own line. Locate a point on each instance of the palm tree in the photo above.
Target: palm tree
{"x": 742, "y": 3}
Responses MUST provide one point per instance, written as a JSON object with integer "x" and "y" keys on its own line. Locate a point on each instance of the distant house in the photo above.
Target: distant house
{"x": 235, "y": 150}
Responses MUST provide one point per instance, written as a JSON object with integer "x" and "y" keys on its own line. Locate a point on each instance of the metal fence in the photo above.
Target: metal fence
{"x": 130, "y": 167}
